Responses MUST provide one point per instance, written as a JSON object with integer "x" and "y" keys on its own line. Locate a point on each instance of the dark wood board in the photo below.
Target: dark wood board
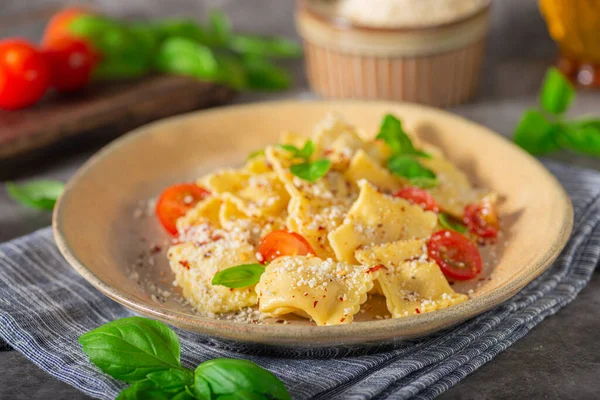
{"x": 97, "y": 114}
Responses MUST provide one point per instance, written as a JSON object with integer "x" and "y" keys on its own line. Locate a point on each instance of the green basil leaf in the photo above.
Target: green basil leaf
{"x": 172, "y": 378}
{"x": 580, "y": 136}
{"x": 199, "y": 389}
{"x": 255, "y": 154}
{"x": 39, "y": 194}
{"x": 307, "y": 150}
{"x": 265, "y": 46}
{"x": 264, "y": 75}
{"x": 291, "y": 148}
{"x": 219, "y": 27}
{"x": 182, "y": 28}
{"x": 311, "y": 171}
{"x": 242, "y": 395}
{"x": 185, "y": 57}
{"x": 447, "y": 222}
{"x": 149, "y": 390}
{"x": 227, "y": 376}
{"x": 408, "y": 167}
{"x": 557, "y": 92}
{"x": 128, "y": 349}
{"x": 535, "y": 133}
{"x": 231, "y": 71}
{"x": 424, "y": 182}
{"x": 392, "y": 133}
{"x": 239, "y": 276}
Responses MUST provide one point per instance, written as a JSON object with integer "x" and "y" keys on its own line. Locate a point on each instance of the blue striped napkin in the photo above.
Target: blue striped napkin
{"x": 45, "y": 306}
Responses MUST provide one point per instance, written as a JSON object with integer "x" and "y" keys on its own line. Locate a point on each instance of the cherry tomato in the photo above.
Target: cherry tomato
{"x": 418, "y": 196}
{"x": 24, "y": 74}
{"x": 283, "y": 243}
{"x": 482, "y": 219}
{"x": 58, "y": 26}
{"x": 175, "y": 201}
{"x": 456, "y": 255}
{"x": 71, "y": 63}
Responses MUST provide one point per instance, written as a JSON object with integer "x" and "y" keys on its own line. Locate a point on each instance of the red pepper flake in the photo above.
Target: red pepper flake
{"x": 155, "y": 249}
{"x": 341, "y": 299}
{"x": 342, "y": 320}
{"x": 376, "y": 268}
{"x": 214, "y": 238}
{"x": 315, "y": 304}
{"x": 185, "y": 264}
{"x": 417, "y": 310}
{"x": 327, "y": 152}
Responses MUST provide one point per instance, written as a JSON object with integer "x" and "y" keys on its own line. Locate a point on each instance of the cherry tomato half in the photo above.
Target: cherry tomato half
{"x": 24, "y": 74}
{"x": 58, "y": 26}
{"x": 283, "y": 243}
{"x": 175, "y": 201}
{"x": 420, "y": 197}
{"x": 456, "y": 255}
{"x": 482, "y": 219}
{"x": 71, "y": 63}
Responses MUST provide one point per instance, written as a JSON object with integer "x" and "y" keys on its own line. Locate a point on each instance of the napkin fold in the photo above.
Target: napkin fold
{"x": 45, "y": 305}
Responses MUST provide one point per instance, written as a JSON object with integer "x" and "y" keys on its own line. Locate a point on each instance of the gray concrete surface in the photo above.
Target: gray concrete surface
{"x": 559, "y": 359}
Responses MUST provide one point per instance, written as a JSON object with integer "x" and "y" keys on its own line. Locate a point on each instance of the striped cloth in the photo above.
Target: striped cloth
{"x": 45, "y": 306}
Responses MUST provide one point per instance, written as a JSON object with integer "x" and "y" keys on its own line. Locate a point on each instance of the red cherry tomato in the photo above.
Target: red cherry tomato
{"x": 456, "y": 255}
{"x": 58, "y": 26}
{"x": 175, "y": 201}
{"x": 420, "y": 197}
{"x": 24, "y": 74}
{"x": 71, "y": 63}
{"x": 482, "y": 219}
{"x": 283, "y": 243}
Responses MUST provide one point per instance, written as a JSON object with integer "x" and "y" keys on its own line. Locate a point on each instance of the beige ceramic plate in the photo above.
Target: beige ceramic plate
{"x": 101, "y": 226}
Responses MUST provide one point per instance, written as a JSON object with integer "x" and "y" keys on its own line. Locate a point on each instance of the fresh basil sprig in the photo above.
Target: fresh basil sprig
{"x": 39, "y": 194}
{"x": 239, "y": 276}
{"x": 307, "y": 170}
{"x": 146, "y": 353}
{"x": 447, "y": 222}
{"x": 544, "y": 130}
{"x": 404, "y": 159}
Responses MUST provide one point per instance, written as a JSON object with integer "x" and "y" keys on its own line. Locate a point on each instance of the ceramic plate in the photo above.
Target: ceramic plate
{"x": 105, "y": 228}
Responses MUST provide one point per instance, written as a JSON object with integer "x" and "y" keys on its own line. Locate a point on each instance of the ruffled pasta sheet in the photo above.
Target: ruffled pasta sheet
{"x": 376, "y": 218}
{"x": 327, "y": 291}
{"x": 410, "y": 282}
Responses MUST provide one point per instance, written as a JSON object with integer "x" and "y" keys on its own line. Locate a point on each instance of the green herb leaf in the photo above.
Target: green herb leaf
{"x": 255, "y": 154}
{"x": 231, "y": 71}
{"x": 182, "y": 28}
{"x": 535, "y": 134}
{"x": 581, "y": 136}
{"x": 239, "y": 276}
{"x": 140, "y": 390}
{"x": 311, "y": 171}
{"x": 305, "y": 152}
{"x": 228, "y": 376}
{"x": 265, "y": 46}
{"x": 424, "y": 182}
{"x": 128, "y": 349}
{"x": 40, "y": 194}
{"x": 199, "y": 389}
{"x": 392, "y": 133}
{"x": 186, "y": 57}
{"x": 447, "y": 222}
{"x": 172, "y": 378}
{"x": 408, "y": 167}
{"x": 243, "y": 395}
{"x": 557, "y": 92}
{"x": 264, "y": 75}
{"x": 219, "y": 27}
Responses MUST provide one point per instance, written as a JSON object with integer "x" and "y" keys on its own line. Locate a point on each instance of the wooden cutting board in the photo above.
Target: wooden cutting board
{"x": 99, "y": 113}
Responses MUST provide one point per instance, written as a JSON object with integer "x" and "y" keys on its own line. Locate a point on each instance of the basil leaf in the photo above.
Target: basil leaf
{"x": 305, "y": 152}
{"x": 239, "y": 276}
{"x": 424, "y": 182}
{"x": 392, "y": 133}
{"x": 291, "y": 148}
{"x": 40, "y": 194}
{"x": 219, "y": 27}
{"x": 557, "y": 92}
{"x": 172, "y": 378}
{"x": 264, "y": 75}
{"x": 255, "y": 154}
{"x": 408, "y": 167}
{"x": 535, "y": 134}
{"x": 265, "y": 46}
{"x": 581, "y": 136}
{"x": 149, "y": 390}
{"x": 182, "y": 28}
{"x": 128, "y": 349}
{"x": 447, "y": 222}
{"x": 231, "y": 71}
{"x": 199, "y": 389}
{"x": 185, "y": 57}
{"x": 311, "y": 171}
{"x": 227, "y": 376}
{"x": 242, "y": 395}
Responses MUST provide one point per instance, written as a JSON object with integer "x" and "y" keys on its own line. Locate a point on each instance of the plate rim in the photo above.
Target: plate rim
{"x": 313, "y": 336}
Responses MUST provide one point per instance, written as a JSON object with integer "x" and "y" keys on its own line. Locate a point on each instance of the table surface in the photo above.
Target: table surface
{"x": 559, "y": 359}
